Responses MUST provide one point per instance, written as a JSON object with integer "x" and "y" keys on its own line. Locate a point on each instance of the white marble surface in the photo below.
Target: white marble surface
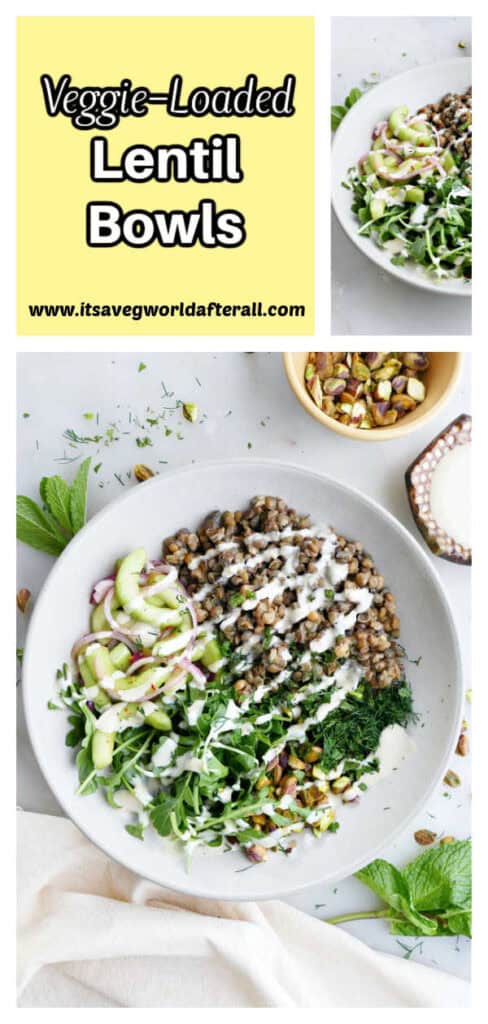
{"x": 365, "y": 299}
{"x": 244, "y": 401}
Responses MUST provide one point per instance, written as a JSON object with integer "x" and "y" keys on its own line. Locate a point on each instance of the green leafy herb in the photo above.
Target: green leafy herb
{"x": 431, "y": 896}
{"x": 141, "y": 367}
{"x": 338, "y": 113}
{"x": 135, "y": 830}
{"x": 51, "y": 528}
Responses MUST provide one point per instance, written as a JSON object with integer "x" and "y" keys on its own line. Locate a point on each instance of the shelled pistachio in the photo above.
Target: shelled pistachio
{"x": 366, "y": 389}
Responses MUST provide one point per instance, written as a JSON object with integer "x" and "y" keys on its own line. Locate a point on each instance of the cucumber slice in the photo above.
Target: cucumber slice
{"x": 159, "y": 720}
{"x": 86, "y": 672}
{"x": 414, "y": 195}
{"x": 120, "y": 657}
{"x": 156, "y": 675}
{"x": 100, "y": 662}
{"x": 396, "y": 119}
{"x": 98, "y": 621}
{"x": 175, "y": 643}
{"x": 212, "y": 652}
{"x": 102, "y": 748}
{"x": 127, "y": 592}
{"x": 377, "y": 208}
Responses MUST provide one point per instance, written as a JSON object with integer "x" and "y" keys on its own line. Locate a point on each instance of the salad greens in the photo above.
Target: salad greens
{"x": 154, "y": 713}
{"x": 413, "y": 197}
{"x": 338, "y": 113}
{"x": 51, "y": 527}
{"x": 431, "y": 896}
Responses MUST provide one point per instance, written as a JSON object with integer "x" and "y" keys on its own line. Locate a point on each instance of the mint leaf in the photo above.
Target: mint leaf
{"x": 37, "y": 529}
{"x": 336, "y": 115}
{"x": 77, "y": 505}
{"x": 389, "y": 884}
{"x": 441, "y": 877}
{"x": 56, "y": 495}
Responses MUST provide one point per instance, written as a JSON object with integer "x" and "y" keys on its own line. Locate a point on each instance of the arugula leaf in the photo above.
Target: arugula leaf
{"x": 160, "y": 814}
{"x": 35, "y": 528}
{"x": 78, "y": 489}
{"x": 55, "y": 493}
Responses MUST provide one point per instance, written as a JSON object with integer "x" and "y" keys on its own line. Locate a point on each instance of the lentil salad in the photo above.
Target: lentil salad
{"x": 237, "y": 691}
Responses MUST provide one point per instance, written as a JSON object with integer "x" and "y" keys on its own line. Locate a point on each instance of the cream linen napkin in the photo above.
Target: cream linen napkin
{"x": 93, "y": 934}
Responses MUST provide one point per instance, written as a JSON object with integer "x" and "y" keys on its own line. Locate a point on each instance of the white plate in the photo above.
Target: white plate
{"x": 413, "y": 89}
{"x": 182, "y": 498}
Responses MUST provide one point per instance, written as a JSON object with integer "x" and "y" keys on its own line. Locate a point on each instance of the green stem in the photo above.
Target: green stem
{"x": 357, "y": 916}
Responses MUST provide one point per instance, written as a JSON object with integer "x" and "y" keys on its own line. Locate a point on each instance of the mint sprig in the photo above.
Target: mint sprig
{"x": 338, "y": 113}
{"x": 51, "y": 527}
{"x": 430, "y": 897}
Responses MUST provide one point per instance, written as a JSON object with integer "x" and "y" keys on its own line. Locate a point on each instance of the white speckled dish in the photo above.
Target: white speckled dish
{"x": 182, "y": 498}
{"x": 413, "y": 89}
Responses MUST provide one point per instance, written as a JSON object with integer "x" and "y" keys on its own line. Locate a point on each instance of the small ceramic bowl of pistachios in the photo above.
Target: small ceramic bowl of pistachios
{"x": 372, "y": 396}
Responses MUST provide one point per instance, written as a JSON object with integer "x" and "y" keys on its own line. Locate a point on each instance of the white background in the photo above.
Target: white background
{"x": 365, "y": 299}
{"x": 244, "y": 400}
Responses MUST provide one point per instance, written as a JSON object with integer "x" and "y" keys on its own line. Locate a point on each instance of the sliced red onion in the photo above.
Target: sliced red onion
{"x": 196, "y": 672}
{"x": 100, "y": 589}
{"x": 138, "y": 662}
{"x": 379, "y": 128}
{"x": 104, "y": 634}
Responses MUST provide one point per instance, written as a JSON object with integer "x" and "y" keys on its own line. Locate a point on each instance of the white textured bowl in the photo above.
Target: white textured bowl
{"x": 182, "y": 498}
{"x": 413, "y": 89}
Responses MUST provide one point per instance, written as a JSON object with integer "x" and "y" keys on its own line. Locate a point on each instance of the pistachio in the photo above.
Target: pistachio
{"x": 350, "y": 796}
{"x": 334, "y": 386}
{"x": 309, "y": 371}
{"x": 256, "y": 853}
{"x": 388, "y": 370}
{"x": 23, "y": 598}
{"x": 416, "y": 389}
{"x": 469, "y": 696}
{"x": 288, "y": 785}
{"x": 462, "y": 745}
{"x": 190, "y": 411}
{"x": 341, "y": 784}
{"x": 415, "y": 360}
{"x": 355, "y": 387}
{"x": 341, "y": 370}
{"x": 358, "y": 412}
{"x": 374, "y": 359}
{"x": 451, "y": 779}
{"x": 402, "y": 404}
{"x": 313, "y": 755}
{"x": 366, "y": 423}
{"x": 447, "y": 839}
{"x": 424, "y": 837}
{"x": 383, "y": 415}
{"x": 399, "y": 383}
{"x": 262, "y": 783}
{"x": 296, "y": 762}
{"x": 324, "y": 822}
{"x": 360, "y": 370}
{"x": 346, "y": 401}
{"x": 328, "y": 406}
{"x": 318, "y": 773}
{"x": 315, "y": 388}
{"x": 324, "y": 362}
{"x": 382, "y": 391}
{"x": 142, "y": 473}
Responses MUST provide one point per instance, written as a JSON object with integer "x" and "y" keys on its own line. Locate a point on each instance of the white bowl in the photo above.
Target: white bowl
{"x": 413, "y": 89}
{"x": 182, "y": 498}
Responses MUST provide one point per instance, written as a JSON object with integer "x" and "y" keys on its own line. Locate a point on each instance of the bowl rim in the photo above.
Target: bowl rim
{"x": 91, "y": 527}
{"x": 399, "y": 429}
{"x": 463, "y": 289}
